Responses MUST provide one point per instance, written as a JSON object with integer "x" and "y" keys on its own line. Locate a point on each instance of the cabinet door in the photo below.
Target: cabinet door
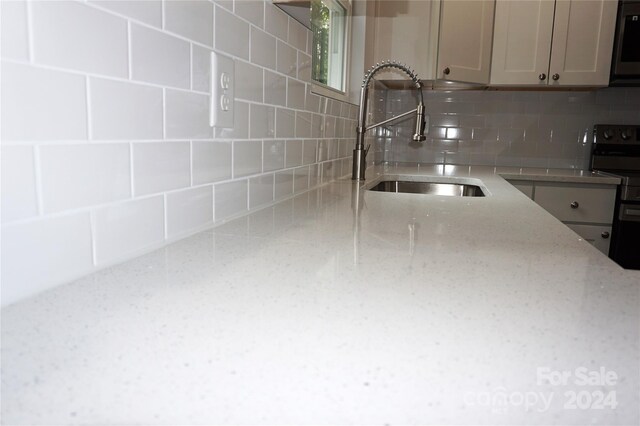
{"x": 466, "y": 31}
{"x": 598, "y": 236}
{"x": 583, "y": 35}
{"x": 407, "y": 31}
{"x": 522, "y": 42}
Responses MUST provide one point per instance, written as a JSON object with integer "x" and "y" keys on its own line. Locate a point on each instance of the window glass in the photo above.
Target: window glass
{"x": 329, "y": 28}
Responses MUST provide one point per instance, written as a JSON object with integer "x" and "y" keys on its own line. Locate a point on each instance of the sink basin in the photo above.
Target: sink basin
{"x": 429, "y": 188}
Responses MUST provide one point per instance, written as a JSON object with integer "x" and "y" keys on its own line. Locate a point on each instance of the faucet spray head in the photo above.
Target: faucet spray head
{"x": 418, "y": 135}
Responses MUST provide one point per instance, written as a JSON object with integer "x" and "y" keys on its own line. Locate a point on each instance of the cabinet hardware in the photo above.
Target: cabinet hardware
{"x": 575, "y": 205}
{"x": 542, "y": 77}
{"x": 446, "y": 71}
{"x": 556, "y": 77}
{"x": 605, "y": 235}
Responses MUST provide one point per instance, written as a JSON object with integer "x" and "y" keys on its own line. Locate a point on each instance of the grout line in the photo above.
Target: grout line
{"x": 191, "y": 163}
{"x": 191, "y": 65}
{"x": 129, "y": 50}
{"x": 164, "y": 113}
{"x": 38, "y": 177}
{"x": 29, "y": 30}
{"x": 162, "y": 23}
{"x": 88, "y": 106}
{"x": 131, "y": 175}
{"x": 94, "y": 248}
{"x": 164, "y": 216}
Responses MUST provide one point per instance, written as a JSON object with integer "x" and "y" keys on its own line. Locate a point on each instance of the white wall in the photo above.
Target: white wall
{"x": 106, "y": 148}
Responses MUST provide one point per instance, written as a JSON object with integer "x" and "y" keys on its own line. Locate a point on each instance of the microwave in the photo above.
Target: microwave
{"x": 625, "y": 65}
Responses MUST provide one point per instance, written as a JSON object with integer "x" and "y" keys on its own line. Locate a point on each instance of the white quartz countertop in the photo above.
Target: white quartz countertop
{"x": 341, "y": 306}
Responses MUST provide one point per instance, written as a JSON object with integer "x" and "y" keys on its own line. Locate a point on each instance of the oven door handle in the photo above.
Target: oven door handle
{"x": 629, "y": 213}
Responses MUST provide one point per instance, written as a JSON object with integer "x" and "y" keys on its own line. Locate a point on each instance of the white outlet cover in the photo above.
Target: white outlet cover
{"x": 219, "y": 117}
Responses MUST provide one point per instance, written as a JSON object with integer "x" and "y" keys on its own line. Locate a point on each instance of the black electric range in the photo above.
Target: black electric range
{"x": 616, "y": 150}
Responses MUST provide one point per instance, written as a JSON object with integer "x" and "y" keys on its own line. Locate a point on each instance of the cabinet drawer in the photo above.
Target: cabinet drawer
{"x": 525, "y": 187}
{"x": 598, "y": 236}
{"x": 577, "y": 203}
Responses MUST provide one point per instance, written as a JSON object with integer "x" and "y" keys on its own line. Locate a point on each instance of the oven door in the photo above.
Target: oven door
{"x": 625, "y": 241}
{"x": 626, "y": 55}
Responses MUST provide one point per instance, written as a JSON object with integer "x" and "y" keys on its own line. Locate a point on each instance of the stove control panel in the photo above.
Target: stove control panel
{"x": 616, "y": 134}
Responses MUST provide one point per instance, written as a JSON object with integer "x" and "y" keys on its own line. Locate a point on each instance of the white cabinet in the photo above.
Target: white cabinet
{"x": 464, "y": 49}
{"x": 553, "y": 43}
{"x": 440, "y": 39}
{"x": 585, "y": 208}
{"x": 406, "y": 31}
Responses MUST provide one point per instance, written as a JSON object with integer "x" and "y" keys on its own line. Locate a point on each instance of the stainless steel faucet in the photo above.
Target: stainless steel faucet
{"x": 360, "y": 152}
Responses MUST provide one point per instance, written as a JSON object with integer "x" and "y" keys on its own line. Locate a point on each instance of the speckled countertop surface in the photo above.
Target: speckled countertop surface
{"x": 340, "y": 306}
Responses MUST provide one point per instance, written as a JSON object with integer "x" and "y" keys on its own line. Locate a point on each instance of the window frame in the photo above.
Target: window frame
{"x": 319, "y": 88}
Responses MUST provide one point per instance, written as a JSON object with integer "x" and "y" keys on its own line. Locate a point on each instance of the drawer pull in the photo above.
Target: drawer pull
{"x": 605, "y": 235}
{"x": 575, "y": 205}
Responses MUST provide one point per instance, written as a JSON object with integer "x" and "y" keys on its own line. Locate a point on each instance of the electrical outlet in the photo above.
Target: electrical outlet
{"x": 222, "y": 93}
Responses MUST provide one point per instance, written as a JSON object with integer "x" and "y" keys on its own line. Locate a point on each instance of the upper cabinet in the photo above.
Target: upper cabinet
{"x": 406, "y": 31}
{"x": 547, "y": 43}
{"x": 440, "y": 39}
{"x": 464, "y": 49}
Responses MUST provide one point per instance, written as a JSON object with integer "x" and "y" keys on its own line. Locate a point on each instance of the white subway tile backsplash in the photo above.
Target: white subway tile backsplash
{"x": 262, "y": 47}
{"x": 262, "y": 122}
{"x": 303, "y": 124}
{"x": 200, "y": 68}
{"x": 125, "y": 110}
{"x": 293, "y": 155}
{"x": 295, "y": 94}
{"x": 309, "y": 151}
{"x": 211, "y": 161}
{"x": 19, "y": 199}
{"x": 40, "y": 254}
{"x": 247, "y": 158}
{"x": 240, "y": 128}
{"x": 230, "y": 199}
{"x": 286, "y": 59}
{"x": 252, "y": 11}
{"x": 129, "y": 228}
{"x": 297, "y": 35}
{"x": 159, "y": 58}
{"x": 285, "y": 123}
{"x": 189, "y": 210}
{"x": 160, "y": 166}
{"x": 248, "y": 82}
{"x": 42, "y": 105}
{"x": 13, "y": 30}
{"x": 273, "y": 155}
{"x": 300, "y": 179}
{"x": 283, "y": 184}
{"x": 187, "y": 115}
{"x": 190, "y": 19}
{"x": 226, "y": 24}
{"x": 147, "y": 11}
{"x": 116, "y": 96}
{"x": 317, "y": 125}
{"x": 83, "y": 175}
{"x": 304, "y": 68}
{"x": 73, "y": 35}
{"x": 260, "y": 191}
{"x": 275, "y": 88}
{"x": 275, "y": 21}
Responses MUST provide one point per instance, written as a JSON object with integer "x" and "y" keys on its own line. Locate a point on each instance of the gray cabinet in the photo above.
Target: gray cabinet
{"x": 585, "y": 208}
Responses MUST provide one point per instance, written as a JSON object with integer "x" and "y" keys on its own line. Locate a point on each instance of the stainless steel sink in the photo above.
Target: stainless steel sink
{"x": 430, "y": 188}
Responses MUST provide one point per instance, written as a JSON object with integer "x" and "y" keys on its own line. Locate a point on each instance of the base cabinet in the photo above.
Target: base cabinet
{"x": 585, "y": 208}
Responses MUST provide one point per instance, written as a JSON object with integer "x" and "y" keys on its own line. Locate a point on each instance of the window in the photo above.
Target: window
{"x": 330, "y": 26}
